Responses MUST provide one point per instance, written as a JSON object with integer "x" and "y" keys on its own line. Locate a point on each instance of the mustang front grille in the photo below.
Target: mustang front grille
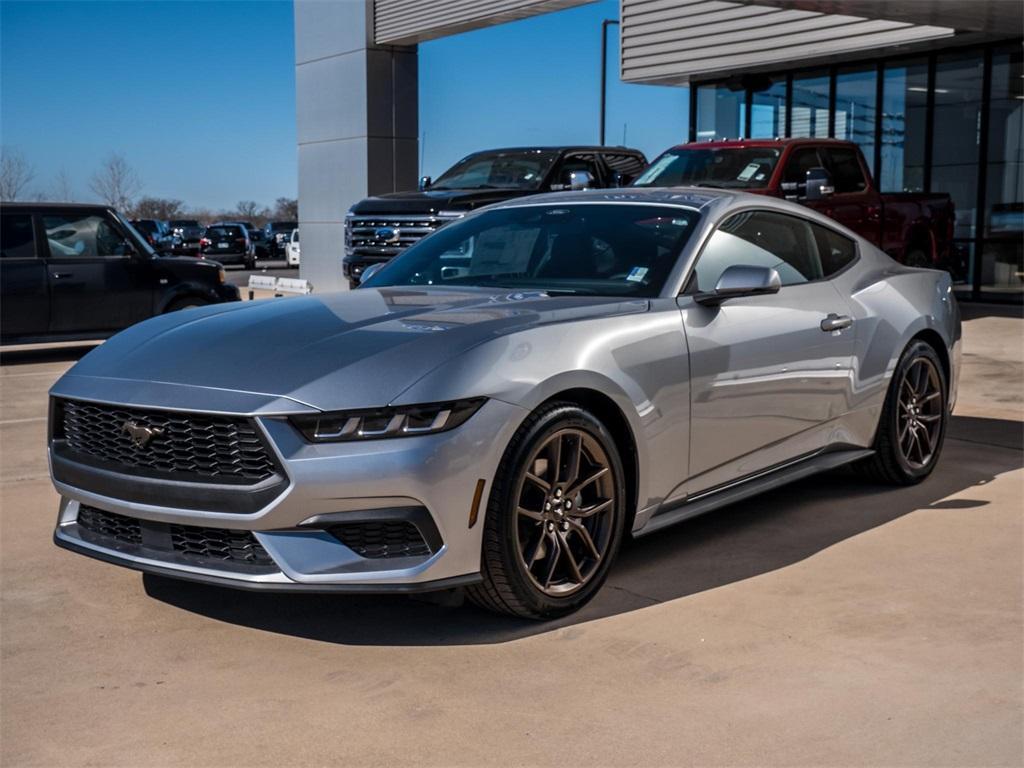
{"x": 198, "y": 446}
{"x": 392, "y": 538}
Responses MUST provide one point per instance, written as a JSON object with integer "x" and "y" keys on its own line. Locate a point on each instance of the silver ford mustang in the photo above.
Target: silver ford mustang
{"x": 496, "y": 408}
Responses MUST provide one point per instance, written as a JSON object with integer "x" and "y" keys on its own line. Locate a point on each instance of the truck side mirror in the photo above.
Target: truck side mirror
{"x": 819, "y": 184}
{"x": 580, "y": 180}
{"x": 425, "y": 182}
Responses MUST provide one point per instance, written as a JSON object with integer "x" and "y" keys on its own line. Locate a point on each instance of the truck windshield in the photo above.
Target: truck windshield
{"x": 606, "y": 249}
{"x": 524, "y": 169}
{"x": 724, "y": 167}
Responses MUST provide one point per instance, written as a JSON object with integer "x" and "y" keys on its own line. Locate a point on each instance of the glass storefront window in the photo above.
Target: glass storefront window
{"x": 856, "y": 93}
{"x": 904, "y": 127}
{"x": 1002, "y": 265}
{"x": 955, "y": 142}
{"x": 810, "y": 105}
{"x": 768, "y": 111}
{"x": 721, "y": 112}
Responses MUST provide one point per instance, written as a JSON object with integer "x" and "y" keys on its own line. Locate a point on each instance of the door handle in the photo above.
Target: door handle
{"x": 836, "y": 322}
{"x": 61, "y": 275}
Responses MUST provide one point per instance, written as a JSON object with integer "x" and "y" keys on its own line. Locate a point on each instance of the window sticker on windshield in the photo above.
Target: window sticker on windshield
{"x": 748, "y": 173}
{"x": 637, "y": 274}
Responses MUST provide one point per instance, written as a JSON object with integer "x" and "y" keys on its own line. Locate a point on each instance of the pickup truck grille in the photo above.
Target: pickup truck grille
{"x": 198, "y": 447}
{"x": 382, "y": 234}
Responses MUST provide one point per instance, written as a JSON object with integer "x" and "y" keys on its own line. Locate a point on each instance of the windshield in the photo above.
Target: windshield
{"x": 724, "y": 167}
{"x": 140, "y": 241}
{"x": 524, "y": 169}
{"x": 603, "y": 249}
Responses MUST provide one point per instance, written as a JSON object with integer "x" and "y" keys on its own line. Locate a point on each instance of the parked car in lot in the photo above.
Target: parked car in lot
{"x": 228, "y": 244}
{"x": 825, "y": 174}
{"x": 378, "y": 228}
{"x": 258, "y": 238}
{"x": 82, "y": 272}
{"x": 156, "y": 233}
{"x": 276, "y": 234}
{"x": 292, "y": 249}
{"x": 188, "y": 232}
{"x": 501, "y": 404}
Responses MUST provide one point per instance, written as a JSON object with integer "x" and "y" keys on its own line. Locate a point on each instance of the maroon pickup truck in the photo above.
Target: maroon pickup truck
{"x": 825, "y": 174}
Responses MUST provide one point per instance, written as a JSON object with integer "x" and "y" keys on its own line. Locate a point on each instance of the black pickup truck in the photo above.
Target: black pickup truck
{"x": 379, "y": 228}
{"x": 71, "y": 272}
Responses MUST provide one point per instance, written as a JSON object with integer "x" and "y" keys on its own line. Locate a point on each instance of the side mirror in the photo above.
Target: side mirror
{"x": 425, "y": 182}
{"x": 819, "y": 184}
{"x": 370, "y": 271}
{"x": 580, "y": 180}
{"x": 741, "y": 280}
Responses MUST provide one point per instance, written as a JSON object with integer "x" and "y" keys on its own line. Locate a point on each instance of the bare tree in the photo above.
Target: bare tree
{"x": 116, "y": 183}
{"x": 159, "y": 208}
{"x": 286, "y": 209}
{"x": 15, "y": 173}
{"x": 63, "y": 192}
{"x": 248, "y": 209}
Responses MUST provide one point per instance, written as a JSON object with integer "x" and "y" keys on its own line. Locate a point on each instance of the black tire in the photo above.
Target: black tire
{"x": 507, "y": 585}
{"x": 890, "y": 463}
{"x": 186, "y": 302}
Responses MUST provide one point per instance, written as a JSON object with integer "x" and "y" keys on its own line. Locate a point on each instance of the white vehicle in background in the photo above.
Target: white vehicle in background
{"x": 291, "y": 249}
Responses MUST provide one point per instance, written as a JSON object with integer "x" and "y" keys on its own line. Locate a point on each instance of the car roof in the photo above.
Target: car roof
{"x": 778, "y": 143}
{"x": 684, "y": 197}
{"x": 23, "y": 206}
{"x": 561, "y": 148}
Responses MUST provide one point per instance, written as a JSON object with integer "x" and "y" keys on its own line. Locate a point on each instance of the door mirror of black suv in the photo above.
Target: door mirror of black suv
{"x": 741, "y": 280}
{"x": 819, "y": 184}
{"x": 580, "y": 180}
{"x": 425, "y": 182}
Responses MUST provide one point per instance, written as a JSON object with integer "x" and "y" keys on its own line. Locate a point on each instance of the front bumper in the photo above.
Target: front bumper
{"x": 430, "y": 480}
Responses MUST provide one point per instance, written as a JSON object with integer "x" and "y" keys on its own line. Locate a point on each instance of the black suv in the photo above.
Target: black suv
{"x": 186, "y": 233}
{"x": 72, "y": 272}
{"x": 378, "y": 228}
{"x": 229, "y": 244}
{"x": 156, "y": 232}
{"x": 278, "y": 233}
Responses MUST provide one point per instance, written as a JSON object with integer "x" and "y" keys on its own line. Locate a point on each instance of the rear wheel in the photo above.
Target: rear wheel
{"x": 912, "y": 428}
{"x": 555, "y": 516}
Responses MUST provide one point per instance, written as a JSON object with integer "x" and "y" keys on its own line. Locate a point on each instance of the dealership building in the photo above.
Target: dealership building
{"x": 931, "y": 90}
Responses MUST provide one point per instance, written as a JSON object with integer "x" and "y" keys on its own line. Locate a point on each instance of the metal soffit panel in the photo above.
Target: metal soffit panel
{"x": 406, "y": 22}
{"x": 672, "y": 40}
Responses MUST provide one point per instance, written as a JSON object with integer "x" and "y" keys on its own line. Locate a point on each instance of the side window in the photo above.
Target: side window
{"x": 835, "y": 250}
{"x": 83, "y": 237}
{"x": 572, "y": 163}
{"x": 761, "y": 239}
{"x": 628, "y": 166}
{"x": 17, "y": 240}
{"x": 800, "y": 161}
{"x": 847, "y": 175}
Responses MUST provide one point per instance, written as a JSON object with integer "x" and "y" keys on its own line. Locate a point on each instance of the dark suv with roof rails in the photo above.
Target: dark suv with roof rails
{"x": 71, "y": 272}
{"x": 379, "y": 228}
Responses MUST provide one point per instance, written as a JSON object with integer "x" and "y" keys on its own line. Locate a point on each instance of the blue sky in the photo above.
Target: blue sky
{"x": 200, "y": 96}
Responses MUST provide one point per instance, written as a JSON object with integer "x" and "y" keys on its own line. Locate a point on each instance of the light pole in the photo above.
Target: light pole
{"x": 604, "y": 71}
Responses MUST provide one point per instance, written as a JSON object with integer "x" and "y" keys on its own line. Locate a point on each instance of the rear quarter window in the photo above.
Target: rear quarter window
{"x": 837, "y": 252}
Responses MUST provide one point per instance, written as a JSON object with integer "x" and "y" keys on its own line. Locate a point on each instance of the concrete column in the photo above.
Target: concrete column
{"x": 357, "y": 125}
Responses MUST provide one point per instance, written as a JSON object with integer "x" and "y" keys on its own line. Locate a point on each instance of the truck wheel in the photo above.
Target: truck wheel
{"x": 187, "y": 302}
{"x": 555, "y": 516}
{"x": 917, "y": 257}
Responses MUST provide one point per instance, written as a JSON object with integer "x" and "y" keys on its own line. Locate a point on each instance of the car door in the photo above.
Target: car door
{"x": 769, "y": 374}
{"x": 24, "y": 294}
{"x": 98, "y": 283}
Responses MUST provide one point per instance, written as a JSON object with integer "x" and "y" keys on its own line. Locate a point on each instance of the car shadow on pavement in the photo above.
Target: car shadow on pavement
{"x": 748, "y": 539}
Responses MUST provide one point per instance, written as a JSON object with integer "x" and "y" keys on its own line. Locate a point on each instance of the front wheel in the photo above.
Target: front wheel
{"x": 912, "y": 427}
{"x": 555, "y": 517}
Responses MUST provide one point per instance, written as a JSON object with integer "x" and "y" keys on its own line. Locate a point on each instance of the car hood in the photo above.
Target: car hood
{"x": 356, "y": 349}
{"x": 433, "y": 200}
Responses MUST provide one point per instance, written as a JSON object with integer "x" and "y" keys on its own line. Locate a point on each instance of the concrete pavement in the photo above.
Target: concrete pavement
{"x": 830, "y": 622}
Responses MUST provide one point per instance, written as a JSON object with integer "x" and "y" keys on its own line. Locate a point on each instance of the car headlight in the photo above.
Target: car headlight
{"x": 378, "y": 423}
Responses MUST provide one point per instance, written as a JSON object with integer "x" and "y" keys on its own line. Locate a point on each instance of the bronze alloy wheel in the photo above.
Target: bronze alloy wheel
{"x": 565, "y": 511}
{"x": 919, "y": 415}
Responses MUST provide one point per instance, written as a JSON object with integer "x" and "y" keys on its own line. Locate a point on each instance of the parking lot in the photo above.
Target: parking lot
{"x": 830, "y": 622}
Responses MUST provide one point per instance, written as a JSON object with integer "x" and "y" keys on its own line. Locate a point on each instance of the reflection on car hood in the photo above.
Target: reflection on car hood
{"x": 353, "y": 349}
